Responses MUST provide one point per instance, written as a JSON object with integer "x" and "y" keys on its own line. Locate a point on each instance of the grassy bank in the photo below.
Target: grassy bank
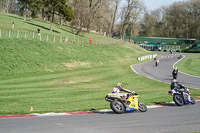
{"x": 190, "y": 64}
{"x": 60, "y": 77}
{"x": 28, "y": 29}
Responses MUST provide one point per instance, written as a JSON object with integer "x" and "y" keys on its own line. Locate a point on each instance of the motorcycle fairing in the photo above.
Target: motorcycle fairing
{"x": 187, "y": 100}
{"x": 111, "y": 95}
{"x": 133, "y": 102}
{"x": 171, "y": 92}
{"x": 128, "y": 109}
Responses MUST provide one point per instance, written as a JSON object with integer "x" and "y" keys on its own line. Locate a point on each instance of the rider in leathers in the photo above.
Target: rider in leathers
{"x": 179, "y": 87}
{"x": 175, "y": 73}
{"x": 119, "y": 88}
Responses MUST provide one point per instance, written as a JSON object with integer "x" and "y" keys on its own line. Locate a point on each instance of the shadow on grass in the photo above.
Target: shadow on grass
{"x": 165, "y": 104}
{"x": 15, "y": 17}
{"x": 71, "y": 31}
{"x": 41, "y": 26}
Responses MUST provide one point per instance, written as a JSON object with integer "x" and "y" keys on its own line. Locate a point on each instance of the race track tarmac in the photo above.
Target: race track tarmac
{"x": 169, "y": 119}
{"x": 163, "y": 72}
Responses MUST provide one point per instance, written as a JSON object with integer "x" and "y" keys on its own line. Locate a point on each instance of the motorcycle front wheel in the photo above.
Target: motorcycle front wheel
{"x": 141, "y": 106}
{"x": 178, "y": 99}
{"x": 117, "y": 107}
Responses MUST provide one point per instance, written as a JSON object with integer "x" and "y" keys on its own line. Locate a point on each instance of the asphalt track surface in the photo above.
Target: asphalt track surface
{"x": 170, "y": 118}
{"x": 163, "y": 72}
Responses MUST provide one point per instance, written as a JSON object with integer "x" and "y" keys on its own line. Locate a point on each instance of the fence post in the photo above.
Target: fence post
{"x": 81, "y": 42}
{"x": 60, "y": 39}
{"x": 17, "y": 34}
{"x": 40, "y": 37}
{"x": 9, "y": 34}
{"x": 33, "y": 35}
{"x": 47, "y": 38}
{"x": 24, "y": 34}
{"x": 66, "y": 39}
{"x": 78, "y": 39}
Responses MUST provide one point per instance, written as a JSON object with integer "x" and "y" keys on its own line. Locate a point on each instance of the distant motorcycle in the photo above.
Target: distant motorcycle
{"x": 157, "y": 63}
{"x": 181, "y": 95}
{"x": 179, "y": 57}
{"x": 175, "y": 73}
{"x": 119, "y": 105}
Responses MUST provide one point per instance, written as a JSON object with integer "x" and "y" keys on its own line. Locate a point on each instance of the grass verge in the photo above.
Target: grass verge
{"x": 190, "y": 64}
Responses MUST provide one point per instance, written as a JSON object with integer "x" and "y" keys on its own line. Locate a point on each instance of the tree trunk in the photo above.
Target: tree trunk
{"x": 43, "y": 16}
{"x": 61, "y": 24}
{"x": 114, "y": 16}
{"x": 24, "y": 17}
{"x": 122, "y": 33}
{"x": 52, "y": 20}
{"x": 89, "y": 18}
{"x": 7, "y": 6}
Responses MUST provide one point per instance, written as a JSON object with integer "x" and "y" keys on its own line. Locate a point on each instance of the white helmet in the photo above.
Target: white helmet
{"x": 120, "y": 86}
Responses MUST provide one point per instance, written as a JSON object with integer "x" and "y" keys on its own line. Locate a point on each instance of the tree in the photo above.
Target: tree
{"x": 134, "y": 8}
{"x": 114, "y": 15}
{"x": 93, "y": 4}
{"x": 135, "y": 16}
{"x": 5, "y": 5}
{"x": 8, "y": 6}
{"x": 179, "y": 20}
{"x": 80, "y": 15}
{"x": 24, "y": 6}
{"x": 60, "y": 8}
{"x": 92, "y": 15}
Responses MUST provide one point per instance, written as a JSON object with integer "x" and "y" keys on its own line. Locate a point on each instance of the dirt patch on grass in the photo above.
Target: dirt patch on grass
{"x": 75, "y": 64}
{"x": 61, "y": 81}
{"x": 72, "y": 80}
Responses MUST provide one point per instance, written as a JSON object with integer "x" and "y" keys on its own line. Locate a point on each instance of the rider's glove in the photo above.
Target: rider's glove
{"x": 133, "y": 92}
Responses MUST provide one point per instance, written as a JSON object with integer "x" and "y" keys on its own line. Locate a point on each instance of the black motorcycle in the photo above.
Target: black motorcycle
{"x": 180, "y": 93}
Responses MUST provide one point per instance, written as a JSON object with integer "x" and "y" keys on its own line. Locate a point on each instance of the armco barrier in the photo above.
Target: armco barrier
{"x": 146, "y": 57}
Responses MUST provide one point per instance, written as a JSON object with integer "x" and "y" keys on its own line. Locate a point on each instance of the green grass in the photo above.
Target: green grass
{"x": 59, "y": 77}
{"x": 190, "y": 64}
{"x": 30, "y": 26}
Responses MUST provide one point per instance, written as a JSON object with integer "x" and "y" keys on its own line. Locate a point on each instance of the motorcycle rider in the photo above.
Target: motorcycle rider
{"x": 181, "y": 88}
{"x": 157, "y": 62}
{"x": 175, "y": 73}
{"x": 118, "y": 88}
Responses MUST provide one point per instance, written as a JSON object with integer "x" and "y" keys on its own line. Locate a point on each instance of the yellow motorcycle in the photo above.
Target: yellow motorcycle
{"x": 120, "y": 105}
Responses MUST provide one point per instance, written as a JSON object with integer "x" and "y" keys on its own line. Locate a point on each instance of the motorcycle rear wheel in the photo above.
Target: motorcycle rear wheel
{"x": 141, "y": 106}
{"x": 178, "y": 99}
{"x": 117, "y": 107}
